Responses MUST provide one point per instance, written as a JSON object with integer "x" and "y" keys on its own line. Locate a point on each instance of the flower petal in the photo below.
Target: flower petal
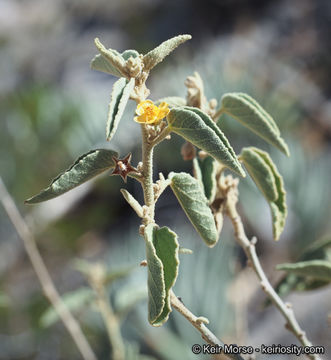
{"x": 143, "y": 105}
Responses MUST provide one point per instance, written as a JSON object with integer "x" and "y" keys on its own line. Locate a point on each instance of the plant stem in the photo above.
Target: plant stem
{"x": 147, "y": 169}
{"x": 111, "y": 322}
{"x": 147, "y": 183}
{"x": 206, "y": 334}
{"x": 250, "y": 251}
{"x": 163, "y": 134}
{"x": 45, "y": 280}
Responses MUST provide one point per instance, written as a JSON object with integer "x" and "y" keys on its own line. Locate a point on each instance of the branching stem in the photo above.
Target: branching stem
{"x": 147, "y": 184}
{"x": 206, "y": 334}
{"x": 250, "y": 251}
{"x": 45, "y": 280}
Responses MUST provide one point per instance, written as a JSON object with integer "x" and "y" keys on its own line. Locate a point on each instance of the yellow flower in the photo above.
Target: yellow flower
{"x": 148, "y": 113}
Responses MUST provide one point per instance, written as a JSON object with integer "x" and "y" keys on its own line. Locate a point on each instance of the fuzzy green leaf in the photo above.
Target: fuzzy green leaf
{"x": 84, "y": 168}
{"x": 99, "y": 63}
{"x": 166, "y": 246}
{"x": 267, "y": 178}
{"x": 109, "y": 61}
{"x": 155, "y": 281}
{"x": 247, "y": 111}
{"x": 156, "y": 55}
{"x": 260, "y": 172}
{"x": 317, "y": 269}
{"x": 172, "y": 101}
{"x": 119, "y": 98}
{"x": 197, "y": 127}
{"x": 102, "y": 63}
{"x": 317, "y": 250}
{"x": 74, "y": 300}
{"x": 205, "y": 170}
{"x": 193, "y": 201}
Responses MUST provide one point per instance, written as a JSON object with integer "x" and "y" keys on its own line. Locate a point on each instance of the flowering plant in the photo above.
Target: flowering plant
{"x": 206, "y": 197}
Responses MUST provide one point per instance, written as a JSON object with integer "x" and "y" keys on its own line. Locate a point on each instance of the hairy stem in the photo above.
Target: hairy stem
{"x": 250, "y": 251}
{"x": 147, "y": 169}
{"x": 206, "y": 334}
{"x": 45, "y": 280}
{"x": 147, "y": 150}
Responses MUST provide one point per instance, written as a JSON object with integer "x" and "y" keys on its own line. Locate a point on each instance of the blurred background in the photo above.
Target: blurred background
{"x": 54, "y": 108}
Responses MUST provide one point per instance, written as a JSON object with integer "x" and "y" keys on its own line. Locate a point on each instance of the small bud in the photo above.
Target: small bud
{"x": 142, "y": 230}
{"x": 202, "y": 320}
{"x": 212, "y": 104}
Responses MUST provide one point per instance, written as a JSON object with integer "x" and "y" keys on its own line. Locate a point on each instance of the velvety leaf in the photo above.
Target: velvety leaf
{"x": 266, "y": 176}
{"x": 194, "y": 203}
{"x": 260, "y": 172}
{"x": 316, "y": 269}
{"x": 317, "y": 250}
{"x": 166, "y": 246}
{"x": 109, "y": 61}
{"x": 247, "y": 111}
{"x": 99, "y": 63}
{"x": 293, "y": 282}
{"x": 156, "y": 55}
{"x": 205, "y": 170}
{"x": 172, "y": 101}
{"x": 119, "y": 98}
{"x": 196, "y": 127}
{"x": 155, "y": 281}
{"x": 74, "y": 300}
{"x": 84, "y": 168}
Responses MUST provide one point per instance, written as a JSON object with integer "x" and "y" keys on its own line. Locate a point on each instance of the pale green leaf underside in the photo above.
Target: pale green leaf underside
{"x": 119, "y": 98}
{"x": 317, "y": 269}
{"x": 172, "y": 101}
{"x": 193, "y": 201}
{"x": 196, "y": 127}
{"x": 166, "y": 246}
{"x": 205, "y": 170}
{"x": 111, "y": 61}
{"x": 84, "y": 168}
{"x": 99, "y": 63}
{"x": 156, "y": 55}
{"x": 247, "y": 111}
{"x": 74, "y": 301}
{"x": 155, "y": 281}
{"x": 259, "y": 164}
